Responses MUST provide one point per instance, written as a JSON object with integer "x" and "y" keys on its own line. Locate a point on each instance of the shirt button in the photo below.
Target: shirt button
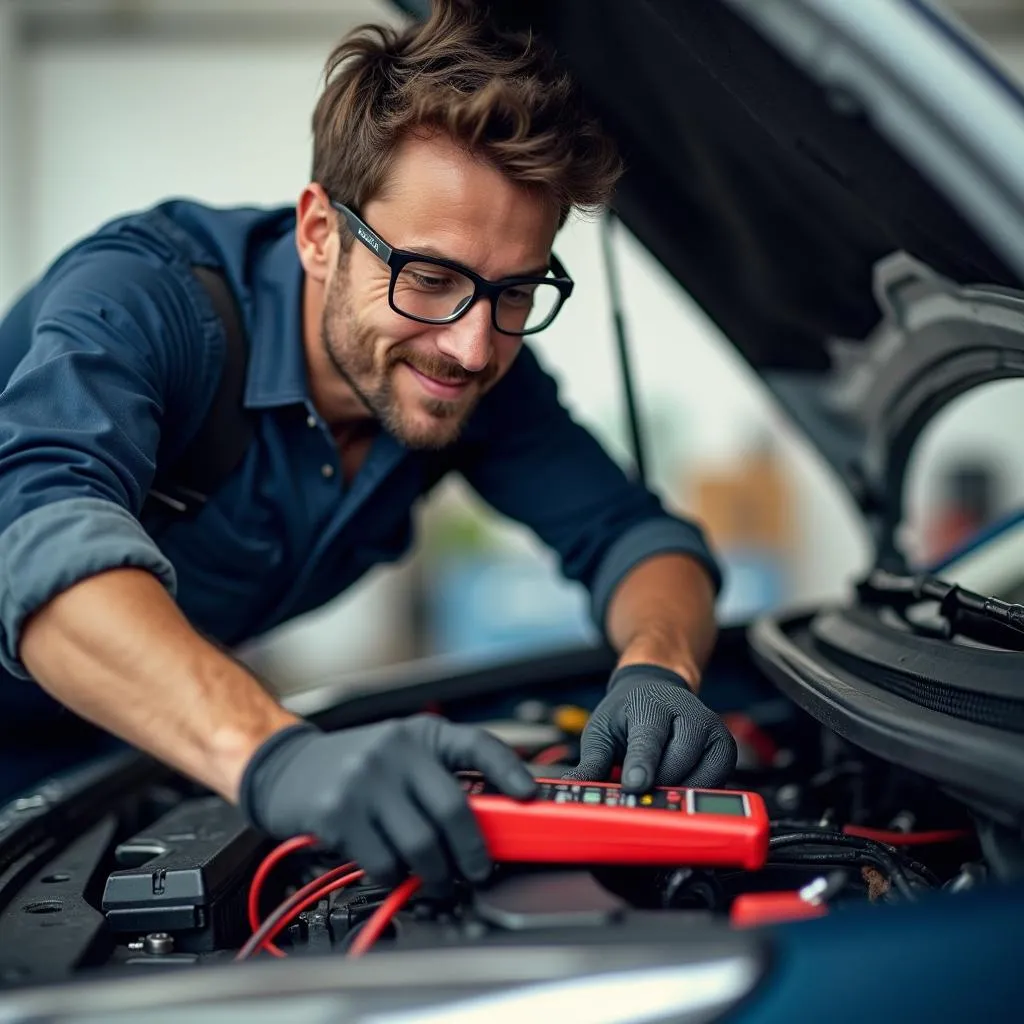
{"x": 327, "y": 471}
{"x": 311, "y": 421}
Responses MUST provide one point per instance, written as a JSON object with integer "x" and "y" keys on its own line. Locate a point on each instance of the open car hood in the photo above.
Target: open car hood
{"x": 839, "y": 185}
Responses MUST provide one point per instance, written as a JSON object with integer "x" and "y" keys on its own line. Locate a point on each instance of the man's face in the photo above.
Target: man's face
{"x": 420, "y": 380}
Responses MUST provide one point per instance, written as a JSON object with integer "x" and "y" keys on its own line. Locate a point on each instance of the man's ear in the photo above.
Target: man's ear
{"x": 316, "y": 233}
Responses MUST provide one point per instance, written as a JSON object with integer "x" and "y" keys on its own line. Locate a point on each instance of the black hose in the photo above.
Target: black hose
{"x": 836, "y": 857}
{"x": 876, "y": 853}
{"x": 854, "y": 842}
{"x": 926, "y": 873}
{"x": 823, "y": 837}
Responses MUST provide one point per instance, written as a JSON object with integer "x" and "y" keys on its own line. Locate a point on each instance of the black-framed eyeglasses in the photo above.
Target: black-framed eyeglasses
{"x": 439, "y": 291}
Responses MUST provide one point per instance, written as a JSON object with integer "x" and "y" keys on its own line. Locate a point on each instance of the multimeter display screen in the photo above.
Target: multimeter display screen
{"x": 719, "y": 803}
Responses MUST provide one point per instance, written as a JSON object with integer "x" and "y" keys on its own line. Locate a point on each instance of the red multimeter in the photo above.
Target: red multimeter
{"x": 597, "y": 823}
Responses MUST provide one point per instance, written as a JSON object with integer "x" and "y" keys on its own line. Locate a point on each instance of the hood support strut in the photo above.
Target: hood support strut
{"x": 622, "y": 345}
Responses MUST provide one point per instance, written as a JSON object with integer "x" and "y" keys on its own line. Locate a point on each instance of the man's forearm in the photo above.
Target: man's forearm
{"x": 663, "y": 613}
{"x": 117, "y": 650}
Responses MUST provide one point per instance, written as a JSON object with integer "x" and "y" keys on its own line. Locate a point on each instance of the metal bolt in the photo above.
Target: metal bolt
{"x": 823, "y": 888}
{"x": 970, "y": 877}
{"x": 903, "y": 822}
{"x": 788, "y": 797}
{"x": 158, "y": 943}
{"x": 813, "y": 891}
{"x": 30, "y": 803}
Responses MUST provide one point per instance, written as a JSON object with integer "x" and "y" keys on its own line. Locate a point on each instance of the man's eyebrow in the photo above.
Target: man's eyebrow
{"x": 429, "y": 250}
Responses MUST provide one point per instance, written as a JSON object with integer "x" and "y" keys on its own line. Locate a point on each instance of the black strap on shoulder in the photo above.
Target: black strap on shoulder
{"x": 216, "y": 449}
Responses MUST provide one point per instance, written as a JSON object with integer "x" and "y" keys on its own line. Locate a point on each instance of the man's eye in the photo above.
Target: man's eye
{"x": 518, "y": 296}
{"x": 429, "y": 282}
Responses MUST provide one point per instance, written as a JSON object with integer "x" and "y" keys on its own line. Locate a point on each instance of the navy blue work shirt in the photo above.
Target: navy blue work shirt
{"x": 111, "y": 361}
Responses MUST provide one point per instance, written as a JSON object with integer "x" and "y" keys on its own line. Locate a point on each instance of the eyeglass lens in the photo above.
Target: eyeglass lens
{"x": 436, "y": 293}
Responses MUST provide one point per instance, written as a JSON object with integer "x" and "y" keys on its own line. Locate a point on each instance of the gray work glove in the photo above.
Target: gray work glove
{"x": 383, "y": 794}
{"x": 664, "y": 733}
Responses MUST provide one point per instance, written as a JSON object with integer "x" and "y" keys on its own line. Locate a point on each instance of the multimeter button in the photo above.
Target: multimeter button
{"x": 592, "y": 796}
{"x": 646, "y": 800}
{"x": 674, "y": 797}
{"x": 629, "y": 800}
{"x": 563, "y": 798}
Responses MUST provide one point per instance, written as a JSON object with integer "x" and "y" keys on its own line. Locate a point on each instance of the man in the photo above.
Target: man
{"x": 385, "y": 317}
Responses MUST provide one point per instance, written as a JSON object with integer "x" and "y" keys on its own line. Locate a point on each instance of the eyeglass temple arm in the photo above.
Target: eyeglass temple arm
{"x": 364, "y": 232}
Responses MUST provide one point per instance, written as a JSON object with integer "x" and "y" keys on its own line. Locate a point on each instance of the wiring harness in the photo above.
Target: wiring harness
{"x": 813, "y": 847}
{"x": 794, "y": 844}
{"x": 264, "y": 932}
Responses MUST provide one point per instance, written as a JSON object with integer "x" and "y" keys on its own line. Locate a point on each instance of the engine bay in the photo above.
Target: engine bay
{"x": 172, "y": 876}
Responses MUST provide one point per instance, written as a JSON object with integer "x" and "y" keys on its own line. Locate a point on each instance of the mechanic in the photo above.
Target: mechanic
{"x": 385, "y": 315}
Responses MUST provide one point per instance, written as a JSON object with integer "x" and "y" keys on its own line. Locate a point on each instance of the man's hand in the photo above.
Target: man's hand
{"x": 383, "y": 794}
{"x": 667, "y": 735}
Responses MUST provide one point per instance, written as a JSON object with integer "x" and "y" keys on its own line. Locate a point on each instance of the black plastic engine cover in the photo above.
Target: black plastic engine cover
{"x": 186, "y": 875}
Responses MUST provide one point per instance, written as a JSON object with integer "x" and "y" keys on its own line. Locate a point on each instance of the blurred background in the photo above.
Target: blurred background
{"x": 111, "y": 105}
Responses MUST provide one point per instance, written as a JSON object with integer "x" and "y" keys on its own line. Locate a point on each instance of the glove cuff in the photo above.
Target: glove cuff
{"x": 268, "y": 750}
{"x": 629, "y": 674}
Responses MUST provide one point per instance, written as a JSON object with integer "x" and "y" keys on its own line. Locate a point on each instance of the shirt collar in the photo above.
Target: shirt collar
{"x": 276, "y": 375}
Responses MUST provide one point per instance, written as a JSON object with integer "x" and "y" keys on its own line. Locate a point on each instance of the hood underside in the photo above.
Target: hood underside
{"x": 768, "y": 199}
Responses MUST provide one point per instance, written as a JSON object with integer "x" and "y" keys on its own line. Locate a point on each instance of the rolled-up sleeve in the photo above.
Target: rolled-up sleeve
{"x": 51, "y": 548}
{"x": 531, "y": 461}
{"x": 80, "y": 426}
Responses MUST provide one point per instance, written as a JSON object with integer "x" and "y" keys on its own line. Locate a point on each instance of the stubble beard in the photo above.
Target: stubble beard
{"x": 349, "y": 346}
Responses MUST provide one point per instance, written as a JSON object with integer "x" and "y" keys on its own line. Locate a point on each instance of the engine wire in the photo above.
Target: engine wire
{"x": 306, "y": 897}
{"x": 378, "y": 922}
{"x": 874, "y": 846}
{"x": 873, "y": 842}
{"x": 863, "y": 849}
{"x": 267, "y": 865}
{"x": 309, "y": 895}
{"x": 838, "y": 859}
{"x": 893, "y": 838}
{"x": 552, "y": 755}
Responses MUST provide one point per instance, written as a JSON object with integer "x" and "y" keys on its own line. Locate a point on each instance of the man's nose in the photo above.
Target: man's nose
{"x": 468, "y": 339}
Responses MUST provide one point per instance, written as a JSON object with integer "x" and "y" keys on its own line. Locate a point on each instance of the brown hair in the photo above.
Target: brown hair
{"x": 498, "y": 93}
